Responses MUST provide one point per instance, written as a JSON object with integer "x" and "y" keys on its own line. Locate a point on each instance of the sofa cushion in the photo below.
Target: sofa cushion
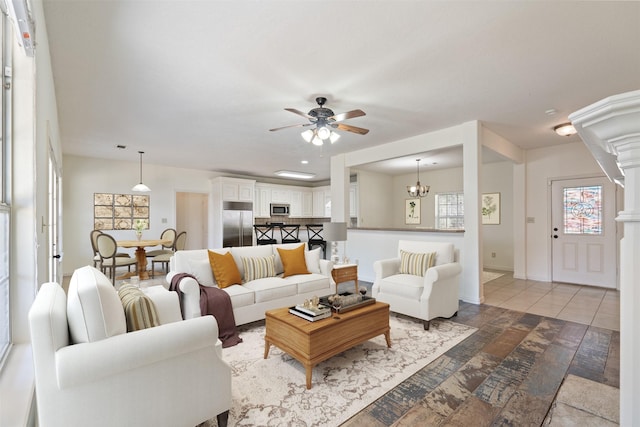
{"x": 311, "y": 283}
{"x": 445, "y": 252}
{"x": 416, "y": 263}
{"x": 258, "y": 267}
{"x": 139, "y": 309}
{"x": 224, "y": 269}
{"x": 202, "y": 271}
{"x": 94, "y": 310}
{"x": 240, "y": 296}
{"x": 405, "y": 285}
{"x": 312, "y": 258}
{"x": 293, "y": 261}
{"x": 249, "y": 252}
{"x": 271, "y": 288}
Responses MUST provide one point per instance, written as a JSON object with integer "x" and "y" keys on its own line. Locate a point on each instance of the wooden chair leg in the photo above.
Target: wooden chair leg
{"x": 426, "y": 324}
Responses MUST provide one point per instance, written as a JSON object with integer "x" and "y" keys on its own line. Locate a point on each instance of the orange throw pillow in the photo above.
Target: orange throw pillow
{"x": 293, "y": 261}
{"x": 224, "y": 269}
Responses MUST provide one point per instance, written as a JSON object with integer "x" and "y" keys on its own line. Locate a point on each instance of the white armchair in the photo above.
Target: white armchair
{"x": 90, "y": 371}
{"x": 425, "y": 297}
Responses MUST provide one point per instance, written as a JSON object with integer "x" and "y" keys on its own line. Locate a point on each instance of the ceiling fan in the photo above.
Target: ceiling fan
{"x": 325, "y": 120}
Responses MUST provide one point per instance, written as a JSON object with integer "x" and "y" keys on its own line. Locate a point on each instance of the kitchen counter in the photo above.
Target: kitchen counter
{"x": 420, "y": 229}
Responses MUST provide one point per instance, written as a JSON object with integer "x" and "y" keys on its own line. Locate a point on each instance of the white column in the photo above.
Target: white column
{"x": 611, "y": 130}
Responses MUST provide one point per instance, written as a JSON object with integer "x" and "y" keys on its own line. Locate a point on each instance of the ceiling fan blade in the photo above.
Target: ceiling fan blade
{"x": 300, "y": 113}
{"x": 292, "y": 126}
{"x": 354, "y": 129}
{"x": 348, "y": 115}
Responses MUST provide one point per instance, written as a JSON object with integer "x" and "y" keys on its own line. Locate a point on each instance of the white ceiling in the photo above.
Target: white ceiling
{"x": 198, "y": 84}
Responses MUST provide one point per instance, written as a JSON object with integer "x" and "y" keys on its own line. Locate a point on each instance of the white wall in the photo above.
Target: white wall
{"x": 84, "y": 176}
{"x": 499, "y": 239}
{"x": 562, "y": 161}
{"x": 375, "y": 190}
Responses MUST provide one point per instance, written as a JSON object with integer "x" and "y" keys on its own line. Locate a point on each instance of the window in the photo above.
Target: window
{"x": 583, "y": 210}
{"x": 5, "y": 211}
{"x": 449, "y": 211}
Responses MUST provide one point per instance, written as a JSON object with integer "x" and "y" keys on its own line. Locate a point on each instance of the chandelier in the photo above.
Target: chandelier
{"x": 418, "y": 190}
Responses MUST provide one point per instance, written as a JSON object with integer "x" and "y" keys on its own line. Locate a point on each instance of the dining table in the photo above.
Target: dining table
{"x": 141, "y": 254}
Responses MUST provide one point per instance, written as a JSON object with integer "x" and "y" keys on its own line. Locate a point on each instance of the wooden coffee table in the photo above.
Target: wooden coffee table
{"x": 313, "y": 342}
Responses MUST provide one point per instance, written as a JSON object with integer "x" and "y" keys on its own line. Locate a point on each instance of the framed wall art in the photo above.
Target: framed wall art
{"x": 412, "y": 211}
{"x": 119, "y": 211}
{"x": 491, "y": 208}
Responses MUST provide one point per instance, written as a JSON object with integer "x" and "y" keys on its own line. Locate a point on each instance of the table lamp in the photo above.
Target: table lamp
{"x": 334, "y": 232}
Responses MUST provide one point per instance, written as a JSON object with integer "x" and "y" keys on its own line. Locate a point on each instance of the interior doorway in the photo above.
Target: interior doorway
{"x": 583, "y": 234}
{"x": 192, "y": 216}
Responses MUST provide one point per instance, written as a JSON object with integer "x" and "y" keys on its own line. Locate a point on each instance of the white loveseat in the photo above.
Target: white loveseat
{"x": 425, "y": 297}
{"x": 251, "y": 299}
{"x": 91, "y": 372}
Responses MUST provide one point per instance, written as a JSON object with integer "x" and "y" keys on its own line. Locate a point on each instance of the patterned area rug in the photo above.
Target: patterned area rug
{"x": 272, "y": 391}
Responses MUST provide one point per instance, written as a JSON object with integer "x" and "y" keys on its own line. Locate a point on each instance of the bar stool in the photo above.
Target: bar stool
{"x": 289, "y": 233}
{"x": 264, "y": 234}
{"x": 314, "y": 237}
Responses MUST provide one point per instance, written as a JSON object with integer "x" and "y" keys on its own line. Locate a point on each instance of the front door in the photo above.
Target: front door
{"x": 584, "y": 232}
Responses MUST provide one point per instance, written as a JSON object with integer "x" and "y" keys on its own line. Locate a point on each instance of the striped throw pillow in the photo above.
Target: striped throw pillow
{"x": 139, "y": 310}
{"x": 259, "y": 267}
{"x": 416, "y": 263}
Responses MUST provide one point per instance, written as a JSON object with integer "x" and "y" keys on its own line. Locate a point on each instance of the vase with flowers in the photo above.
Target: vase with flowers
{"x": 138, "y": 226}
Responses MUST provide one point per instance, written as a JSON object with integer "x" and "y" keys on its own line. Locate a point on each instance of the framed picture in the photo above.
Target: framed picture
{"x": 412, "y": 211}
{"x": 491, "y": 208}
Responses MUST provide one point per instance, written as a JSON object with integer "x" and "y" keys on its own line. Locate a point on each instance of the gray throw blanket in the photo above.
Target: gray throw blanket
{"x": 215, "y": 302}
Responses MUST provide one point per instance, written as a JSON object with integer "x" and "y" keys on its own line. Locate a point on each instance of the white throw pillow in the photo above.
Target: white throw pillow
{"x": 94, "y": 310}
{"x": 201, "y": 270}
{"x": 312, "y": 258}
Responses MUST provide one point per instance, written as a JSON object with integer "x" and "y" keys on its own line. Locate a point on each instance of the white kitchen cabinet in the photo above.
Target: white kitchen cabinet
{"x": 235, "y": 190}
{"x": 353, "y": 200}
{"x": 261, "y": 206}
{"x": 280, "y": 195}
{"x": 318, "y": 203}
{"x": 295, "y": 204}
{"x": 307, "y": 204}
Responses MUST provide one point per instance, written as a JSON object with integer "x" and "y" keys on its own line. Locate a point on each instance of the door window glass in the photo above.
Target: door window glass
{"x": 583, "y": 210}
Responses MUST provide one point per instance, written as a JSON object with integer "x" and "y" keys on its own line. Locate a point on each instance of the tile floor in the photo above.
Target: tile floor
{"x": 587, "y": 305}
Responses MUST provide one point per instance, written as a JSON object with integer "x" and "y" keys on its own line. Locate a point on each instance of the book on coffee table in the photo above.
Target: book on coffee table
{"x": 310, "y": 317}
{"x": 313, "y": 311}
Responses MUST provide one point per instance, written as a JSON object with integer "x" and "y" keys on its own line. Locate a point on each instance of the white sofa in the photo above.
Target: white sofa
{"x": 425, "y": 297}
{"x": 251, "y": 299}
{"x": 90, "y": 371}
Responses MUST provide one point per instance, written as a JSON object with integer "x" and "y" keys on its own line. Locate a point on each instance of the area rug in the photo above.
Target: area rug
{"x": 272, "y": 391}
{"x": 488, "y": 276}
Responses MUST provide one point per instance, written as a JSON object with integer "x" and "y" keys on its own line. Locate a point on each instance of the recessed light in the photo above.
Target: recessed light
{"x": 293, "y": 174}
{"x": 304, "y": 162}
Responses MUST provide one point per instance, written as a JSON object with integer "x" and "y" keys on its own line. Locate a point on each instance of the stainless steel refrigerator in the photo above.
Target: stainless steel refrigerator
{"x": 237, "y": 224}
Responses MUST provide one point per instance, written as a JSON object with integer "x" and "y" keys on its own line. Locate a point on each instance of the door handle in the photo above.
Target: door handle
{"x": 57, "y": 256}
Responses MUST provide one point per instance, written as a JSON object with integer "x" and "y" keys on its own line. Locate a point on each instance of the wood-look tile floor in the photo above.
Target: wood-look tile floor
{"x": 509, "y": 372}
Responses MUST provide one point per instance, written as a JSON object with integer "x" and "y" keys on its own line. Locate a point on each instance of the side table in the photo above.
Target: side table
{"x": 345, "y": 273}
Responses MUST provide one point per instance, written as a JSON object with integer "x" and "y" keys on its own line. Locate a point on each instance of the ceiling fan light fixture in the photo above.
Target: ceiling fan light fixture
{"x": 317, "y": 141}
{"x": 323, "y": 132}
{"x": 140, "y": 187}
{"x": 565, "y": 129}
{"x": 334, "y": 136}
{"x": 307, "y": 135}
{"x": 418, "y": 190}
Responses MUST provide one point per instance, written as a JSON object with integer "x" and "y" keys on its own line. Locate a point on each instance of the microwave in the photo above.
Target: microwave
{"x": 279, "y": 209}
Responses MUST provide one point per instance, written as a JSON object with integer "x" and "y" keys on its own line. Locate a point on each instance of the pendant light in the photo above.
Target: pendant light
{"x": 140, "y": 187}
{"x": 418, "y": 190}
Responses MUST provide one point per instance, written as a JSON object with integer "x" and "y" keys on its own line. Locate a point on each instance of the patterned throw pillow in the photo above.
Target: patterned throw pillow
{"x": 259, "y": 267}
{"x": 139, "y": 310}
{"x": 293, "y": 261}
{"x": 224, "y": 269}
{"x": 416, "y": 263}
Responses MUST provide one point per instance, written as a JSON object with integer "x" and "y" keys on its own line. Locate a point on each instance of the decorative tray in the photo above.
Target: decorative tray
{"x": 363, "y": 301}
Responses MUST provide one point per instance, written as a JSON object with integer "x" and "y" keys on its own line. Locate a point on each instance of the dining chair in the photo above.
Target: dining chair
{"x": 163, "y": 259}
{"x": 93, "y": 235}
{"x": 107, "y": 248}
{"x": 168, "y": 234}
{"x": 264, "y": 234}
